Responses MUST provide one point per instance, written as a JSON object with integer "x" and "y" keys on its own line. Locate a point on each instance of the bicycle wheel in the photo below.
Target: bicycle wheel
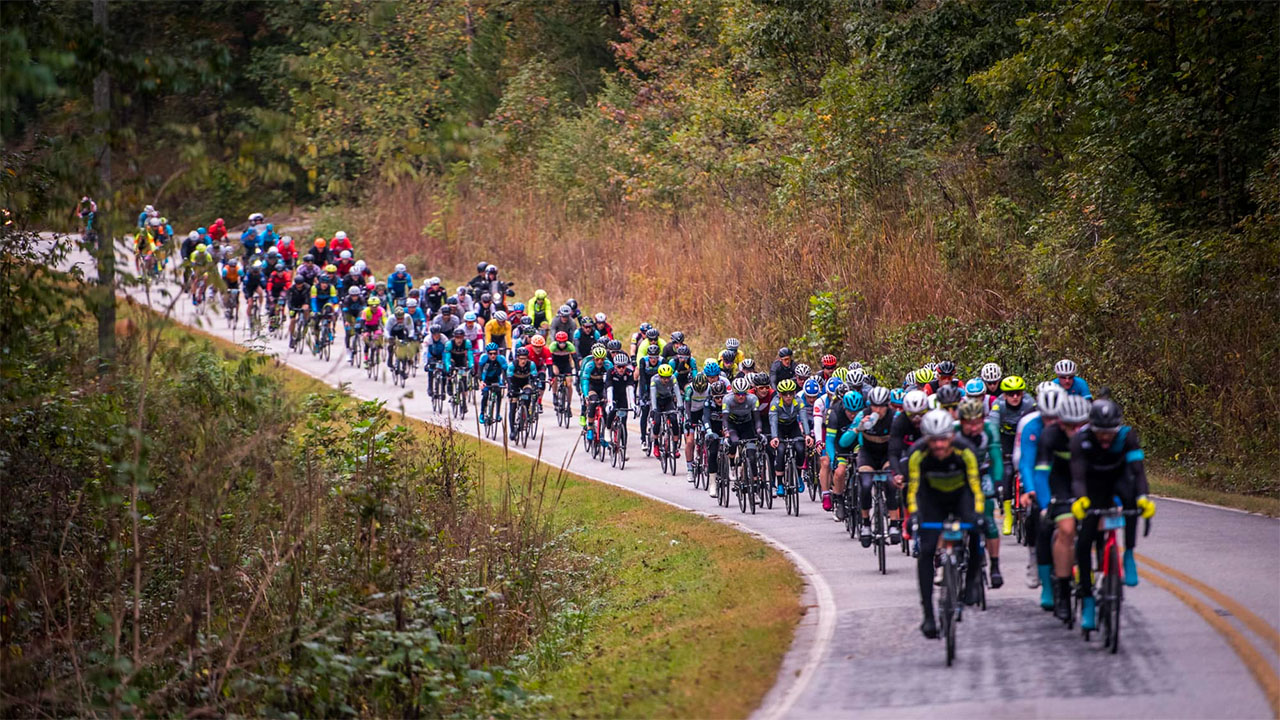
{"x": 951, "y": 593}
{"x": 811, "y": 479}
{"x": 1113, "y": 590}
{"x": 879, "y": 531}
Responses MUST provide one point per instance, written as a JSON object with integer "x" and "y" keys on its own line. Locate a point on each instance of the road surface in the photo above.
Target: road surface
{"x": 1200, "y": 633}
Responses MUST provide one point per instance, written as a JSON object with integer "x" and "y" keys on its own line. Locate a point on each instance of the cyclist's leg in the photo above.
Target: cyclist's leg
{"x": 930, "y": 510}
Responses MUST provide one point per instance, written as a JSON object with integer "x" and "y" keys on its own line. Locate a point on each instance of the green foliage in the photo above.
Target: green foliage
{"x": 828, "y": 323}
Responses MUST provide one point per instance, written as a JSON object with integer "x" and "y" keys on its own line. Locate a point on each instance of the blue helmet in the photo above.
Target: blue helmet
{"x": 896, "y": 396}
{"x": 853, "y": 401}
{"x": 835, "y": 386}
{"x": 975, "y": 387}
{"x": 203, "y": 231}
{"x": 519, "y": 307}
{"x": 711, "y": 370}
{"x": 813, "y": 387}
{"x": 491, "y": 347}
{"x": 469, "y": 317}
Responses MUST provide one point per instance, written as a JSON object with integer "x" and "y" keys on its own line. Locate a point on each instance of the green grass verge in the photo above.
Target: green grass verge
{"x": 1168, "y": 483}
{"x": 691, "y": 617}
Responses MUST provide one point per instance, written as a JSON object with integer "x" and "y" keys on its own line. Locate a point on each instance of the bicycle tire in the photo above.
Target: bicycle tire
{"x": 950, "y": 576}
{"x": 881, "y": 532}
{"x": 790, "y": 478}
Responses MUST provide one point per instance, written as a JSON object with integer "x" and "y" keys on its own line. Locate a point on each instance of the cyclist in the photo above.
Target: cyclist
{"x": 340, "y": 242}
{"x": 308, "y": 270}
{"x": 323, "y": 292}
{"x": 896, "y": 396}
{"x": 458, "y": 353}
{"x": 477, "y": 283}
{"x": 1053, "y": 471}
{"x": 278, "y": 282}
{"x": 485, "y": 308}
{"x": 664, "y": 401}
{"x": 564, "y": 362}
{"x": 1030, "y": 428}
{"x": 646, "y": 370}
{"x": 991, "y": 375}
{"x": 462, "y": 300}
{"x": 1106, "y": 462}
{"x": 398, "y": 283}
{"x": 540, "y": 354}
{"x": 905, "y": 431}
{"x": 473, "y": 329}
{"x": 729, "y": 364}
{"x": 673, "y": 346}
{"x": 783, "y": 368}
{"x": 616, "y": 383}
{"x": 747, "y": 369}
{"x": 492, "y": 371}
{"x": 419, "y": 318}
{"x": 232, "y": 274}
{"x": 924, "y": 379}
{"x": 288, "y": 251}
{"x": 370, "y": 322}
{"x": 986, "y": 444}
{"x": 563, "y": 322}
{"x": 586, "y": 337}
{"x": 200, "y": 262}
{"x": 353, "y": 303}
{"x": 828, "y": 365}
{"x": 788, "y": 424}
{"x": 539, "y": 307}
{"x": 713, "y": 420}
{"x": 943, "y": 480}
{"x": 740, "y": 420}
{"x": 842, "y": 445}
{"x": 651, "y": 337}
{"x": 400, "y": 330}
{"x": 946, "y": 376}
{"x": 694, "y": 402}
{"x": 948, "y": 398}
{"x": 872, "y": 427}
{"x": 433, "y": 295}
{"x": 522, "y": 374}
{"x": 498, "y": 331}
{"x": 448, "y": 318}
{"x": 1005, "y": 414}
{"x": 345, "y": 264}
{"x": 1065, "y": 370}
{"x": 638, "y": 337}
{"x": 826, "y": 461}
{"x": 764, "y": 393}
{"x": 684, "y": 365}
{"x": 591, "y": 380}
{"x": 975, "y": 388}
{"x": 603, "y": 327}
{"x": 218, "y": 230}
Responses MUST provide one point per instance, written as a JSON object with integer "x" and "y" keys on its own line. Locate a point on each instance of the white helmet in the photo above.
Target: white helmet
{"x": 937, "y": 424}
{"x": 286, "y": 239}
{"x": 991, "y": 372}
{"x": 857, "y": 376}
{"x": 434, "y": 281}
{"x": 154, "y": 222}
{"x": 345, "y": 254}
{"x": 741, "y": 385}
{"x": 340, "y": 235}
{"x": 411, "y": 303}
{"x": 256, "y": 217}
{"x": 600, "y": 317}
{"x": 193, "y": 235}
{"x": 1073, "y": 409}
{"x": 354, "y": 291}
{"x": 500, "y": 316}
{"x": 399, "y": 267}
{"x": 149, "y": 209}
{"x": 1064, "y": 367}
{"x": 1049, "y": 400}
{"x": 910, "y": 379}
{"x": 915, "y": 402}
{"x": 359, "y": 266}
{"x": 565, "y": 311}
{"x": 878, "y": 396}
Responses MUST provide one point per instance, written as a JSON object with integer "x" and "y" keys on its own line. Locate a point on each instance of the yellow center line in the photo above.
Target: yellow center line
{"x": 1252, "y": 621}
{"x": 1258, "y": 666}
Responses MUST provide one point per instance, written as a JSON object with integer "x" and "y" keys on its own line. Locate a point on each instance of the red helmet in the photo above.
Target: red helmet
{"x": 562, "y": 336}
{"x": 829, "y": 361}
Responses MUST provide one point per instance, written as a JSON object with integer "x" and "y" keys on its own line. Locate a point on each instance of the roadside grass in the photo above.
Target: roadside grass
{"x": 1170, "y": 483}
{"x": 690, "y": 617}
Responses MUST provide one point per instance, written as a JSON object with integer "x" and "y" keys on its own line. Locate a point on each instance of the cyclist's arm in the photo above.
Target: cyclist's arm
{"x": 1040, "y": 471}
{"x": 913, "y": 480}
{"x": 584, "y": 376}
{"x": 1136, "y": 459}
{"x": 773, "y": 419}
{"x": 994, "y": 452}
{"x": 1084, "y": 388}
{"x": 804, "y": 419}
{"x": 974, "y": 479}
{"x": 653, "y": 395}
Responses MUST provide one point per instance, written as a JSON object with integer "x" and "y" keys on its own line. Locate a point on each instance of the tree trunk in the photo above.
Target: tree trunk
{"x": 105, "y": 247}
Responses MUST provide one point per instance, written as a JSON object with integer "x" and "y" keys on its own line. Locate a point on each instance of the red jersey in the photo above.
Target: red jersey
{"x": 336, "y": 246}
{"x": 541, "y": 356}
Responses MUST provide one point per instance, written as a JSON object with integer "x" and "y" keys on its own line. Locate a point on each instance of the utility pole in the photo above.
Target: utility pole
{"x": 106, "y": 246}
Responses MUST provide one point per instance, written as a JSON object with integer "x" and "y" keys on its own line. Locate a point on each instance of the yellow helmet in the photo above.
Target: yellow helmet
{"x": 200, "y": 247}
{"x": 331, "y": 268}
{"x": 666, "y": 371}
{"x": 787, "y": 386}
{"x": 924, "y": 375}
{"x": 842, "y": 373}
{"x": 374, "y": 301}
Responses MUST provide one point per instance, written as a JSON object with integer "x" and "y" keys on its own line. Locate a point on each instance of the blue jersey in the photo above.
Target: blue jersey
{"x": 1079, "y": 387}
{"x": 492, "y": 370}
{"x": 399, "y": 282}
{"x": 1028, "y": 443}
{"x": 593, "y": 371}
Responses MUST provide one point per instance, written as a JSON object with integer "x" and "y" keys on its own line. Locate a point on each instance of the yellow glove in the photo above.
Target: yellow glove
{"x": 1079, "y": 507}
{"x": 1147, "y": 506}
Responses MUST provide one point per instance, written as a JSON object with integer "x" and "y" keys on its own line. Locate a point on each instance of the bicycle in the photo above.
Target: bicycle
{"x": 373, "y": 355}
{"x": 618, "y": 437}
{"x": 402, "y": 354}
{"x": 1109, "y": 588}
{"x": 437, "y": 384}
{"x": 560, "y": 394}
{"x": 231, "y": 307}
{"x": 811, "y": 472}
{"x": 322, "y": 334}
{"x": 879, "y": 514}
{"x": 458, "y": 392}
{"x": 665, "y": 442}
{"x": 298, "y": 330}
{"x": 276, "y": 321}
{"x": 790, "y": 479}
{"x": 593, "y": 440}
{"x": 254, "y": 311}
{"x": 747, "y": 478}
{"x": 698, "y": 463}
{"x": 492, "y": 410}
{"x": 522, "y": 419}
{"x": 954, "y": 559}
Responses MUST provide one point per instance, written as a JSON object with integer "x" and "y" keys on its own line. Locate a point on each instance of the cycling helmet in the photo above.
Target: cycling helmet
{"x": 526, "y": 321}
{"x": 803, "y": 371}
{"x": 684, "y": 351}
{"x": 937, "y": 424}
{"x": 320, "y": 243}
{"x": 354, "y": 291}
{"x": 601, "y": 317}
{"x": 540, "y": 294}
{"x": 480, "y": 266}
{"x": 991, "y": 372}
{"x": 490, "y": 269}
{"x": 855, "y": 365}
{"x": 915, "y": 402}
{"x": 1049, "y": 401}
{"x": 1073, "y": 409}
{"x": 972, "y": 408}
{"x": 700, "y": 382}
{"x": 853, "y": 401}
{"x": 732, "y": 343}
{"x": 571, "y": 303}
{"x": 1013, "y": 383}
{"x": 562, "y": 336}
{"x": 311, "y": 258}
{"x": 374, "y": 301}
{"x": 491, "y": 347}
{"x": 233, "y": 261}
{"x": 485, "y": 297}
{"x": 829, "y": 361}
{"x": 748, "y": 365}
{"x": 651, "y": 334}
{"x": 1105, "y": 415}
{"x": 614, "y": 345}
{"x": 398, "y": 312}
{"x": 665, "y": 370}
{"x": 470, "y": 316}
{"x": 340, "y": 235}
{"x": 878, "y": 396}
{"x": 711, "y": 370}
{"x": 448, "y": 308}
{"x": 932, "y": 366}
{"x": 622, "y": 359}
{"x": 653, "y": 351}
{"x": 331, "y": 268}
{"x": 975, "y": 387}
{"x": 677, "y": 336}
{"x": 359, "y": 266}
{"x": 193, "y": 235}
{"x": 346, "y": 255}
{"x": 896, "y": 395}
{"x": 500, "y": 317}
{"x": 518, "y": 307}
{"x": 201, "y": 247}
{"x": 522, "y": 352}
{"x": 279, "y": 265}
{"x": 1064, "y": 368}
{"x": 760, "y": 380}
{"x": 741, "y": 385}
{"x": 784, "y": 352}
{"x": 597, "y": 345}
{"x": 437, "y": 329}
{"x": 813, "y": 387}
{"x": 949, "y": 396}
{"x": 644, "y": 327}
{"x": 787, "y": 386}
{"x": 857, "y": 376}
{"x": 411, "y": 303}
{"x": 728, "y": 356}
{"x": 538, "y": 341}
{"x": 587, "y": 320}
{"x": 924, "y": 376}
{"x": 459, "y": 332}
{"x": 835, "y": 386}
{"x": 433, "y": 281}
{"x": 946, "y": 367}
{"x": 565, "y": 311}
{"x": 842, "y": 373}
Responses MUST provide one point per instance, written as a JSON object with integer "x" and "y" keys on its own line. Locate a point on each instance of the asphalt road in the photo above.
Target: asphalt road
{"x": 1201, "y": 645}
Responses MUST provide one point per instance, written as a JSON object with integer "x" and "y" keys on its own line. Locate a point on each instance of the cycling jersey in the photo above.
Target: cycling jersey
{"x": 1078, "y": 387}
{"x": 642, "y": 350}
{"x": 740, "y": 412}
{"x": 593, "y": 374}
{"x": 231, "y": 275}
{"x": 903, "y": 433}
{"x": 1097, "y": 471}
{"x": 617, "y": 383}
{"x": 279, "y": 281}
{"x": 458, "y": 355}
{"x": 787, "y": 415}
{"x": 695, "y": 400}
{"x": 584, "y": 339}
{"x": 958, "y": 470}
{"x": 663, "y": 394}
{"x": 201, "y": 259}
{"x": 837, "y": 422}
{"x": 563, "y": 356}
{"x": 308, "y": 272}
{"x": 521, "y": 372}
{"x": 398, "y": 284}
{"x": 371, "y": 318}
{"x": 1005, "y": 418}
{"x": 497, "y": 332}
{"x": 779, "y": 372}
{"x": 492, "y": 369}
{"x": 1053, "y": 464}
{"x": 299, "y": 296}
{"x": 1026, "y": 445}
{"x": 433, "y": 298}
{"x": 541, "y": 356}
{"x": 323, "y": 292}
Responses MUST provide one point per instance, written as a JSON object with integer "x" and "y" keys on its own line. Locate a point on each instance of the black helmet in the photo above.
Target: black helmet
{"x": 946, "y": 367}
{"x": 480, "y": 266}
{"x": 784, "y": 352}
{"x": 651, "y": 333}
{"x": 485, "y": 297}
{"x": 573, "y": 304}
{"x": 308, "y": 258}
{"x": 451, "y": 301}
{"x": 950, "y": 395}
{"x": 1105, "y": 415}
{"x": 437, "y": 329}
{"x": 526, "y": 320}
{"x": 653, "y": 351}
{"x": 614, "y": 345}
{"x": 459, "y": 332}
{"x": 760, "y": 379}
{"x": 522, "y": 352}
{"x": 684, "y": 351}
{"x": 677, "y": 336}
